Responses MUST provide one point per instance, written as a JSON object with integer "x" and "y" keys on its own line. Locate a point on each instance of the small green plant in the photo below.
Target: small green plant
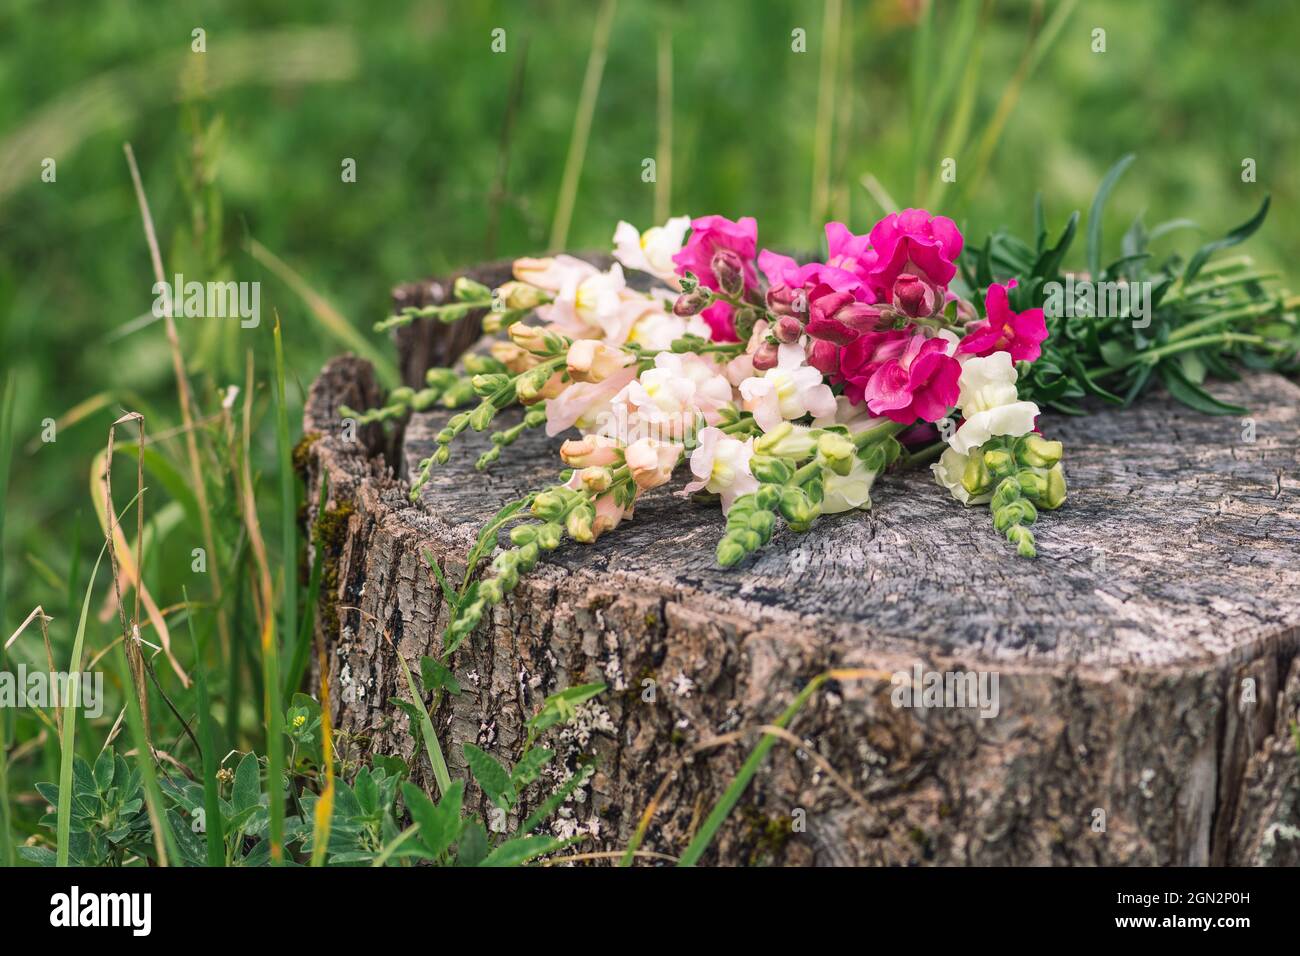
{"x": 109, "y": 825}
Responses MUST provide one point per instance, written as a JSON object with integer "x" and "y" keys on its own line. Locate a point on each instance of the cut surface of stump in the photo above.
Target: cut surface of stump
{"x": 1143, "y": 669}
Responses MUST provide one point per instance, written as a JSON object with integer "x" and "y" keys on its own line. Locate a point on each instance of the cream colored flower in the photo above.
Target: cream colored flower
{"x": 949, "y": 471}
{"x": 989, "y": 402}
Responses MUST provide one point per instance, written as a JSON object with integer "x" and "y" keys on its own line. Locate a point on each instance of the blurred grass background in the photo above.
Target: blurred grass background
{"x": 246, "y": 141}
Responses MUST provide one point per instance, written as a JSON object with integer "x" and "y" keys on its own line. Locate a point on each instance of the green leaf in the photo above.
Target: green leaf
{"x": 435, "y": 676}
{"x": 1095, "y": 213}
{"x": 472, "y": 847}
{"x": 439, "y": 825}
{"x": 1192, "y": 395}
{"x": 559, "y": 707}
{"x": 448, "y": 592}
{"x": 1240, "y": 234}
{"x": 491, "y": 776}
{"x": 522, "y": 849}
{"x": 247, "y": 789}
{"x": 104, "y": 768}
{"x": 530, "y": 766}
{"x": 1049, "y": 262}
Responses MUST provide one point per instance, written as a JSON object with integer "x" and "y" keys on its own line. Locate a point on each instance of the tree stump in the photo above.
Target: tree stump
{"x": 1147, "y": 677}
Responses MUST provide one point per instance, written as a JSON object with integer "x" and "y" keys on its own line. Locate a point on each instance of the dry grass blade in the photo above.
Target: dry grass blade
{"x": 38, "y": 613}
{"x": 185, "y": 395}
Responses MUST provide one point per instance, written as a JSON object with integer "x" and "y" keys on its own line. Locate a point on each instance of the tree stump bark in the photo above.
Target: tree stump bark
{"x": 1146, "y": 666}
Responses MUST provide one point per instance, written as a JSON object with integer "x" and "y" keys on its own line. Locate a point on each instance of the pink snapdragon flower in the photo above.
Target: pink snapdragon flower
{"x": 788, "y": 391}
{"x": 1019, "y": 333}
{"x": 912, "y": 241}
{"x": 709, "y": 235}
{"x": 902, "y": 375}
{"x": 850, "y": 253}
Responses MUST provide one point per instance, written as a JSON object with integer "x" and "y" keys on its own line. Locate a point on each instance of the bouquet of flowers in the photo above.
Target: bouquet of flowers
{"x": 785, "y": 389}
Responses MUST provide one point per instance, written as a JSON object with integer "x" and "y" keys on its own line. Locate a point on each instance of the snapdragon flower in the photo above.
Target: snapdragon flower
{"x": 652, "y": 251}
{"x": 789, "y": 391}
{"x": 720, "y": 464}
{"x": 989, "y": 402}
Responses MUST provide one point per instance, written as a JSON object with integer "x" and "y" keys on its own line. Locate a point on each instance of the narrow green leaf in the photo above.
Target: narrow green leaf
{"x": 1238, "y": 235}
{"x": 491, "y": 776}
{"x": 1095, "y": 213}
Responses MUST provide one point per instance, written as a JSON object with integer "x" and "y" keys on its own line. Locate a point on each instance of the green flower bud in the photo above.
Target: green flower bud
{"x": 1023, "y": 539}
{"x": 1008, "y": 490}
{"x": 1038, "y": 452}
{"x": 976, "y": 479}
{"x": 999, "y": 461}
{"x": 796, "y": 508}
{"x": 788, "y": 441}
{"x": 549, "y": 535}
{"x": 442, "y": 455}
{"x": 528, "y": 556}
{"x": 489, "y": 384}
{"x": 838, "y": 452}
{"x": 466, "y": 289}
{"x": 549, "y": 505}
{"x": 762, "y": 522}
{"x": 482, "y": 416}
{"x": 490, "y": 591}
{"x": 401, "y": 395}
{"x": 1032, "y": 484}
{"x": 767, "y": 497}
{"x": 523, "y": 534}
{"x": 578, "y": 524}
{"x": 1054, "y": 496}
{"x": 730, "y": 552}
{"x": 767, "y": 469}
{"x": 873, "y": 457}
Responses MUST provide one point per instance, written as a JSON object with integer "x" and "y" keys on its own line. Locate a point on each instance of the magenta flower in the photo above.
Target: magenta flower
{"x": 709, "y": 234}
{"x": 860, "y": 359}
{"x": 919, "y": 383}
{"x": 849, "y": 252}
{"x": 1020, "y": 333}
{"x": 912, "y": 241}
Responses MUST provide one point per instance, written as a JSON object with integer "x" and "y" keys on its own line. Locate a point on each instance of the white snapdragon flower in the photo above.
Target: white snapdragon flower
{"x": 652, "y": 251}
{"x": 989, "y": 402}
{"x": 790, "y": 390}
{"x": 949, "y": 470}
{"x": 848, "y": 492}
{"x": 720, "y": 464}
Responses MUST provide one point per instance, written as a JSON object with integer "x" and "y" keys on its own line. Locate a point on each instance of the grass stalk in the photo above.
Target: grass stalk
{"x": 288, "y": 496}
{"x": 7, "y": 851}
{"x": 664, "y": 147}
{"x": 582, "y": 126}
{"x": 821, "y": 171}
{"x": 212, "y": 823}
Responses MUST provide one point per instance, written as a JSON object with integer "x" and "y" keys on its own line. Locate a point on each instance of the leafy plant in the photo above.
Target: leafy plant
{"x": 108, "y": 825}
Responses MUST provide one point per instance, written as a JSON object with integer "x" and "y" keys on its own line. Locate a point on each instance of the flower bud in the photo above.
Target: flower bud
{"x": 788, "y": 329}
{"x": 999, "y": 461}
{"x": 548, "y": 536}
{"x": 1008, "y": 491}
{"x": 1032, "y": 484}
{"x": 578, "y": 524}
{"x": 589, "y": 450}
{"x": 595, "y": 479}
{"x": 795, "y": 506}
{"x": 744, "y": 320}
{"x": 766, "y": 356}
{"x": 490, "y": 591}
{"x": 512, "y": 357}
{"x": 838, "y": 452}
{"x": 1054, "y": 495}
{"x": 538, "y": 385}
{"x": 774, "y": 470}
{"x": 730, "y": 272}
{"x": 482, "y": 416}
{"x": 1038, "y": 452}
{"x": 914, "y": 297}
{"x": 692, "y": 303}
{"x": 485, "y": 385}
{"x": 976, "y": 478}
{"x": 523, "y": 534}
{"x": 730, "y": 552}
{"x": 591, "y": 361}
{"x": 520, "y": 295}
{"x": 528, "y": 555}
{"x": 783, "y": 300}
{"x": 466, "y": 289}
{"x": 531, "y": 338}
{"x": 549, "y": 505}
{"x": 1023, "y": 539}
{"x": 652, "y": 462}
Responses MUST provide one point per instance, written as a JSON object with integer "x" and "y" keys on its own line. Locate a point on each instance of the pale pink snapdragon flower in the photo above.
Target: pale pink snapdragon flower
{"x": 720, "y": 464}
{"x": 787, "y": 392}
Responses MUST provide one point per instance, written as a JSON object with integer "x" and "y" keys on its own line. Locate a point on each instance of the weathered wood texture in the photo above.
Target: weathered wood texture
{"x": 1146, "y": 662}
